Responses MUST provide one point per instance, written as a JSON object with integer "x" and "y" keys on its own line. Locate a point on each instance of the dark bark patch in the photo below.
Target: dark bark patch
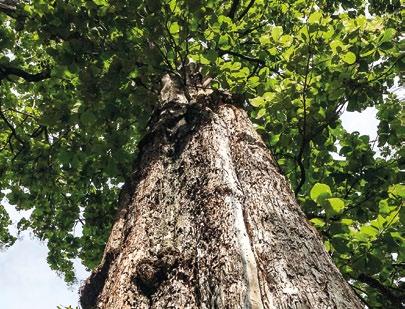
{"x": 149, "y": 277}
{"x": 151, "y": 272}
{"x": 94, "y": 285}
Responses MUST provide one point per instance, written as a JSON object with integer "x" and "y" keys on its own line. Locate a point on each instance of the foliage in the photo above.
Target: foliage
{"x": 79, "y": 81}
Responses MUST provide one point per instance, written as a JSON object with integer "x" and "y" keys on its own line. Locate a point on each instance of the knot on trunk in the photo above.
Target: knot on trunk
{"x": 153, "y": 271}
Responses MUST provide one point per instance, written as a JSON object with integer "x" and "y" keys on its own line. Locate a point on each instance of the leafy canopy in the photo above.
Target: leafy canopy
{"x": 79, "y": 80}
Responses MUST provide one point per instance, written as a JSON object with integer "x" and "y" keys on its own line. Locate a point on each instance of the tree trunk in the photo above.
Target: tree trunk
{"x": 208, "y": 221}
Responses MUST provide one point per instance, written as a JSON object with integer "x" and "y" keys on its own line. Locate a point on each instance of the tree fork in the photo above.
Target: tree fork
{"x": 208, "y": 221}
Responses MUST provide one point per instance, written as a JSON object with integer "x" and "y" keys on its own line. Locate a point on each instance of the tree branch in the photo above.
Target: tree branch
{"x": 258, "y": 61}
{"x": 246, "y": 10}
{"x": 9, "y": 7}
{"x": 250, "y": 30}
{"x": 355, "y": 290}
{"x": 12, "y": 129}
{"x": 222, "y": 52}
{"x": 305, "y": 139}
{"x": 374, "y": 283}
{"x": 234, "y": 7}
{"x": 29, "y": 77}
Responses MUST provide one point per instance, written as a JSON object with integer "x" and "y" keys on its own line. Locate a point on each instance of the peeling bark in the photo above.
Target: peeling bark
{"x": 208, "y": 221}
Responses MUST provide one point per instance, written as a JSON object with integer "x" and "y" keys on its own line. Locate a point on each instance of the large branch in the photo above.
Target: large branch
{"x": 8, "y": 7}
{"x": 6, "y": 71}
{"x": 8, "y": 4}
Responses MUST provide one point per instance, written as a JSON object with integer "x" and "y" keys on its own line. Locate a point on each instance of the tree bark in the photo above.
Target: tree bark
{"x": 208, "y": 221}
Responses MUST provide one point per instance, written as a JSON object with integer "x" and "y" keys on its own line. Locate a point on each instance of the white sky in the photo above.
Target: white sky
{"x": 26, "y": 281}
{"x": 365, "y": 122}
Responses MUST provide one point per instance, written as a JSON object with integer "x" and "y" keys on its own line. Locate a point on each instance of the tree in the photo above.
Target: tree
{"x": 80, "y": 85}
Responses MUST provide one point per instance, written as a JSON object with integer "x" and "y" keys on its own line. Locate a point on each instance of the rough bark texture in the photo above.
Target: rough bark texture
{"x": 208, "y": 221}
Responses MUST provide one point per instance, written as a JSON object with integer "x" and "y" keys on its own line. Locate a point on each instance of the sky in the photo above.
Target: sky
{"x": 26, "y": 281}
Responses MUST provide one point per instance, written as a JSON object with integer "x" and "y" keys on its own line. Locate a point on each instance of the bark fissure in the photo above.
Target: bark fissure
{"x": 207, "y": 221}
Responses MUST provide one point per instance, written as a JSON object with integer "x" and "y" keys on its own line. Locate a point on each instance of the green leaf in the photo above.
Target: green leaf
{"x": 257, "y": 102}
{"x": 261, "y": 113}
{"x": 397, "y": 190}
{"x": 328, "y": 34}
{"x": 264, "y": 39}
{"x": 254, "y": 81}
{"x": 360, "y": 263}
{"x": 286, "y": 40}
{"x": 269, "y": 96}
{"x": 276, "y": 32}
{"x": 320, "y": 191}
{"x": 402, "y": 215}
{"x": 336, "y": 46}
{"x": 347, "y": 221}
{"x": 101, "y": 2}
{"x": 223, "y": 41}
{"x": 349, "y": 57}
{"x": 315, "y": 17}
{"x": 174, "y": 28}
{"x": 318, "y": 222}
{"x": 335, "y": 206}
{"x": 387, "y": 35}
{"x": 369, "y": 230}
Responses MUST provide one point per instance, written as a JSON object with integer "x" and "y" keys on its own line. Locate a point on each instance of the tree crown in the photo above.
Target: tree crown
{"x": 80, "y": 79}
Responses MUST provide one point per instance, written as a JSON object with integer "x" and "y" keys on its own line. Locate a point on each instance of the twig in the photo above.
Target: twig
{"x": 234, "y": 7}
{"x": 374, "y": 283}
{"x": 246, "y": 10}
{"x": 244, "y": 57}
{"x": 260, "y": 62}
{"x": 354, "y": 289}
